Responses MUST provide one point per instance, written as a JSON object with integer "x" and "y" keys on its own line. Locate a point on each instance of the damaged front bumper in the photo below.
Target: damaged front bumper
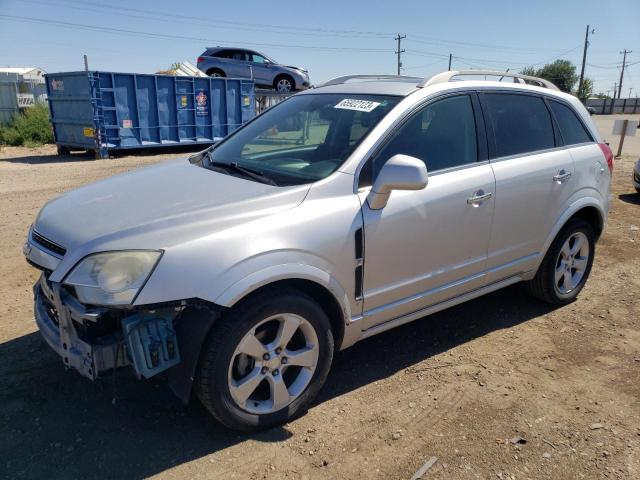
{"x": 59, "y": 317}
{"x": 94, "y": 340}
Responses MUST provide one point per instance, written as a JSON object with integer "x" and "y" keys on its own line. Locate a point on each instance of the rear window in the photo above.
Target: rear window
{"x": 571, "y": 127}
{"x": 521, "y": 123}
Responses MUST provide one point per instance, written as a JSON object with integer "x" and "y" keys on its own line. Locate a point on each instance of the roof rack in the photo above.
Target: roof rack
{"x": 346, "y": 78}
{"x": 445, "y": 77}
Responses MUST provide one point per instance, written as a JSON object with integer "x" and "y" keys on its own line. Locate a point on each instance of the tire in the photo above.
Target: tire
{"x": 284, "y": 84}
{"x": 560, "y": 279}
{"x": 216, "y": 73}
{"x": 638, "y": 190}
{"x": 223, "y": 368}
{"x": 63, "y": 150}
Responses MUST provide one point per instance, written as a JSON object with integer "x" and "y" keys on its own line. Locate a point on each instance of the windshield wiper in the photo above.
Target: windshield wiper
{"x": 246, "y": 171}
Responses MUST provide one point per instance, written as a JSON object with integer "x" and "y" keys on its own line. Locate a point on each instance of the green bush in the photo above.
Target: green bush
{"x": 30, "y": 128}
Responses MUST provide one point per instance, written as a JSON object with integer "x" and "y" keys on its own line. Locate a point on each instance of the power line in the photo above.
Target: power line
{"x": 173, "y": 16}
{"x": 167, "y": 36}
{"x": 422, "y": 66}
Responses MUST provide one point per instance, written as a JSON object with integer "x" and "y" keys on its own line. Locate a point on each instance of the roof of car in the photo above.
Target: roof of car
{"x": 370, "y": 87}
{"x": 403, "y": 86}
{"x": 214, "y": 49}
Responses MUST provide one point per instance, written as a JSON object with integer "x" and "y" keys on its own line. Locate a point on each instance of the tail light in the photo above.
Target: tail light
{"x": 200, "y": 59}
{"x": 608, "y": 154}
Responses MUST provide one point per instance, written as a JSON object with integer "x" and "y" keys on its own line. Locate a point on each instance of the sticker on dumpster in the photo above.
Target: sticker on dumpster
{"x": 201, "y": 103}
{"x": 183, "y": 101}
{"x": 88, "y": 132}
{"x": 246, "y": 100}
{"x": 358, "y": 105}
{"x": 57, "y": 85}
{"x": 127, "y": 123}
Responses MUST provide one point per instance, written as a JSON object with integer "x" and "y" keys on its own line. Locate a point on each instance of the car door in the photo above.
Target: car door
{"x": 430, "y": 245}
{"x": 533, "y": 179}
{"x": 262, "y": 69}
{"x": 237, "y": 64}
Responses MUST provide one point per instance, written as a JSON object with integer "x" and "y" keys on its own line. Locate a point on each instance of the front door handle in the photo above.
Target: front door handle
{"x": 478, "y": 197}
{"x": 561, "y": 176}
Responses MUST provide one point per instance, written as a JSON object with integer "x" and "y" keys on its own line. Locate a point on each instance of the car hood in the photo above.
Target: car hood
{"x": 300, "y": 69}
{"x": 159, "y": 206}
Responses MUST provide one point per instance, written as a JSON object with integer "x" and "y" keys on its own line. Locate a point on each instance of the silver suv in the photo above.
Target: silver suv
{"x": 242, "y": 63}
{"x": 340, "y": 213}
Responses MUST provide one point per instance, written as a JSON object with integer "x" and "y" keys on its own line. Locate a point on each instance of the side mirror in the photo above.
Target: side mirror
{"x": 401, "y": 172}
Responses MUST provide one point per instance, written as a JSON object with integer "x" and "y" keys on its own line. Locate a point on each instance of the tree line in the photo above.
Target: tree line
{"x": 563, "y": 74}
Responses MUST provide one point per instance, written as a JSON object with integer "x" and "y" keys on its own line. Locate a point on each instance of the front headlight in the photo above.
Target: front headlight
{"x": 112, "y": 278}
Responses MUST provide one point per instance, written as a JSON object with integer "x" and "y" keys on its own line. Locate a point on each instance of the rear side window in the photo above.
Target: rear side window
{"x": 571, "y": 127}
{"x": 521, "y": 123}
{"x": 442, "y": 135}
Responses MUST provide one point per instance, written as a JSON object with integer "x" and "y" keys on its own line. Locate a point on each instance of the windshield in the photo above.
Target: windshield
{"x": 303, "y": 139}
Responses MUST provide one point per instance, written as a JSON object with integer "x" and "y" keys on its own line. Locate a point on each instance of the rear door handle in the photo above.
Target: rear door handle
{"x": 561, "y": 176}
{"x": 478, "y": 197}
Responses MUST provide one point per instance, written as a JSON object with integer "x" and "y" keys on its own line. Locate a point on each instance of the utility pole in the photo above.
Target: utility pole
{"x": 624, "y": 63}
{"x": 399, "y": 51}
{"x": 450, "y": 57}
{"x": 631, "y": 88}
{"x": 86, "y": 63}
{"x": 584, "y": 59}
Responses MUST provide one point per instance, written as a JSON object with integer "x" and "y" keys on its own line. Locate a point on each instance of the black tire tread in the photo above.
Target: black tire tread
{"x": 206, "y": 390}
{"x": 539, "y": 287}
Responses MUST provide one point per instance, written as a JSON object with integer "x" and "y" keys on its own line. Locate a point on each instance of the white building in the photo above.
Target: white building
{"x": 20, "y": 87}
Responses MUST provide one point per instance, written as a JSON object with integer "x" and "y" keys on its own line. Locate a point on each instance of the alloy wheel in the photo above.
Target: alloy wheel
{"x": 273, "y": 364}
{"x": 283, "y": 85}
{"x": 571, "y": 263}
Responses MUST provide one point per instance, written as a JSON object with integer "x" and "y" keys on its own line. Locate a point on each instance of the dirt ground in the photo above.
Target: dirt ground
{"x": 501, "y": 387}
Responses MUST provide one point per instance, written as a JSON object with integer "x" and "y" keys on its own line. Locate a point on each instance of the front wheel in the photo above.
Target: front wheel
{"x": 284, "y": 84}
{"x": 567, "y": 264}
{"x": 265, "y": 361}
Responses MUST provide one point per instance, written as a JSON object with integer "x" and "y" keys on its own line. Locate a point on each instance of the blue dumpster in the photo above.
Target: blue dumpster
{"x": 105, "y": 111}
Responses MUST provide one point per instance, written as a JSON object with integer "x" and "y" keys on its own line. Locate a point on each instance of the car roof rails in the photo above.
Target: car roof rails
{"x": 449, "y": 76}
{"x": 346, "y": 78}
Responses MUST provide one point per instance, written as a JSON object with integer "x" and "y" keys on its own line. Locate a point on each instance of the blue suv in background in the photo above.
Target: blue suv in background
{"x": 243, "y": 63}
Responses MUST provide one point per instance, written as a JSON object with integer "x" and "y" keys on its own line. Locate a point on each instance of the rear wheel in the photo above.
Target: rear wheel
{"x": 265, "y": 361}
{"x": 216, "y": 73}
{"x": 567, "y": 264}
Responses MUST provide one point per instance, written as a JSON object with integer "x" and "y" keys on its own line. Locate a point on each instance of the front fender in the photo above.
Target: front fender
{"x": 285, "y": 271}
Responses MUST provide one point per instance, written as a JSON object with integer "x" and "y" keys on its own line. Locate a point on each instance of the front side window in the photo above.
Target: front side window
{"x": 442, "y": 135}
{"x": 571, "y": 128}
{"x": 521, "y": 123}
{"x": 304, "y": 138}
{"x": 258, "y": 58}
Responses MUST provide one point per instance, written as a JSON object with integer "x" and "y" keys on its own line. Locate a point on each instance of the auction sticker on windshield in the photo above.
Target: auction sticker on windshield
{"x": 359, "y": 105}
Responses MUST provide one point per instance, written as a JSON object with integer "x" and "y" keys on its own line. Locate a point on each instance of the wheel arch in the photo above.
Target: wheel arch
{"x": 314, "y": 281}
{"x": 212, "y": 70}
{"x": 588, "y": 209}
{"x": 318, "y": 292}
{"x": 593, "y": 216}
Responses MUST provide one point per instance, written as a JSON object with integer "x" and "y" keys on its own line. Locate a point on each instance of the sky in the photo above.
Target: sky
{"x": 330, "y": 38}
